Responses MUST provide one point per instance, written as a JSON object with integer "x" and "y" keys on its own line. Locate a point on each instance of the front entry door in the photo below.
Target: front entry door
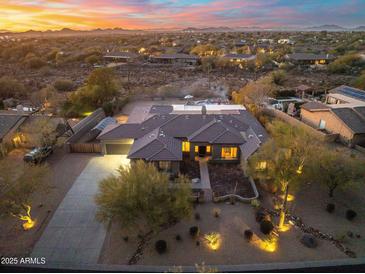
{"x": 202, "y": 151}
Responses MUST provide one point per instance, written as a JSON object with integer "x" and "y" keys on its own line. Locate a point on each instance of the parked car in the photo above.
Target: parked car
{"x": 38, "y": 154}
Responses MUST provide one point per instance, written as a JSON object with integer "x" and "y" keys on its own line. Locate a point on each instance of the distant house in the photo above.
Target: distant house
{"x": 239, "y": 58}
{"x": 122, "y": 57}
{"x": 9, "y": 125}
{"x": 343, "y": 113}
{"x": 169, "y": 134}
{"x": 309, "y": 58}
{"x": 177, "y": 58}
{"x": 285, "y": 41}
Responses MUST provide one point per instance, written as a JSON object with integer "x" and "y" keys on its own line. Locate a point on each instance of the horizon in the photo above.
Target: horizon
{"x": 43, "y": 15}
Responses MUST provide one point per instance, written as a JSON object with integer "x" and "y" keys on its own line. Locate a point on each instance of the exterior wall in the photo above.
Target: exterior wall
{"x": 333, "y": 124}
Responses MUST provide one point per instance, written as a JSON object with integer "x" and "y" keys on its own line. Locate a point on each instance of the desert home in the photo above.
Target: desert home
{"x": 177, "y": 58}
{"x": 167, "y": 134}
{"x": 309, "y": 58}
{"x": 343, "y": 113}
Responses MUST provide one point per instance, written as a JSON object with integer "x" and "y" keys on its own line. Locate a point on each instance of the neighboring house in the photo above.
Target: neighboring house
{"x": 343, "y": 113}
{"x": 9, "y": 125}
{"x": 285, "y": 41}
{"x": 83, "y": 134}
{"x": 178, "y": 58}
{"x": 239, "y": 58}
{"x": 309, "y": 58}
{"x": 122, "y": 57}
{"x": 221, "y": 133}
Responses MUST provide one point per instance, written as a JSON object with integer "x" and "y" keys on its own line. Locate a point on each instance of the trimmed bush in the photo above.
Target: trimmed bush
{"x": 178, "y": 238}
{"x": 330, "y": 208}
{"x": 194, "y": 231}
{"x": 248, "y": 234}
{"x": 161, "y": 246}
{"x": 266, "y": 227}
{"x": 350, "y": 214}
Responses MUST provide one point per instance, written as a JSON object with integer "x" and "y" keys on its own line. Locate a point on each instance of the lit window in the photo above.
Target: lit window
{"x": 261, "y": 165}
{"x": 208, "y": 149}
{"x": 186, "y": 146}
{"x": 196, "y": 149}
{"x": 229, "y": 152}
{"x": 164, "y": 165}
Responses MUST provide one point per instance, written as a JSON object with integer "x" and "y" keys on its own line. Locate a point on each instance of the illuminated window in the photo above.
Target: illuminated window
{"x": 208, "y": 149}
{"x": 186, "y": 146}
{"x": 261, "y": 165}
{"x": 196, "y": 149}
{"x": 164, "y": 165}
{"x": 229, "y": 152}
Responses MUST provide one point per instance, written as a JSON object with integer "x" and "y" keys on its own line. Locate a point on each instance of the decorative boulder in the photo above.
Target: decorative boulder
{"x": 248, "y": 234}
{"x": 330, "y": 208}
{"x": 350, "y": 214}
{"x": 266, "y": 227}
{"x": 194, "y": 231}
{"x": 309, "y": 240}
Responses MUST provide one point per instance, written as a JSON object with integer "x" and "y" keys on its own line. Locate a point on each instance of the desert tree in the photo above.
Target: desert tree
{"x": 142, "y": 198}
{"x": 282, "y": 159}
{"x": 336, "y": 169}
{"x": 40, "y": 131}
{"x": 17, "y": 183}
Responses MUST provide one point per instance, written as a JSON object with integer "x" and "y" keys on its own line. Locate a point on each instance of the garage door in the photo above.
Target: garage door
{"x": 122, "y": 149}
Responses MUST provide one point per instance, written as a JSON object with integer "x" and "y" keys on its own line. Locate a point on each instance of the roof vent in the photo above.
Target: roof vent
{"x": 250, "y": 136}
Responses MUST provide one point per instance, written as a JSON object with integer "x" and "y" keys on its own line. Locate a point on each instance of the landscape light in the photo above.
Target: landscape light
{"x": 213, "y": 240}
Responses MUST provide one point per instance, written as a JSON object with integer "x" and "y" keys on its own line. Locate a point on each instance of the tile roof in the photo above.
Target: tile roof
{"x": 315, "y": 106}
{"x": 240, "y": 56}
{"x": 7, "y": 122}
{"x": 351, "y": 118}
{"x": 309, "y": 56}
{"x": 156, "y": 146}
{"x": 176, "y": 56}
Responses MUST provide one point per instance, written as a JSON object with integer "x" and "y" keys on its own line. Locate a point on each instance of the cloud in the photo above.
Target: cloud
{"x": 21, "y": 15}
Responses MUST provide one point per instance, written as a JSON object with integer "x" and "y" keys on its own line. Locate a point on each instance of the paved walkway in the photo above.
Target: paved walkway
{"x": 73, "y": 236}
{"x": 204, "y": 179}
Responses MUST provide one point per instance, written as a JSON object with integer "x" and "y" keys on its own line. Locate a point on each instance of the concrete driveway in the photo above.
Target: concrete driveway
{"x": 73, "y": 236}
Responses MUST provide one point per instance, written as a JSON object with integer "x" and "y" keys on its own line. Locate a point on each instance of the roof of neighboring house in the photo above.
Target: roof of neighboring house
{"x": 239, "y": 56}
{"x": 176, "y": 56}
{"x": 8, "y": 122}
{"x": 360, "y": 111}
{"x": 161, "y": 109}
{"x": 355, "y": 93}
{"x": 121, "y": 54}
{"x": 309, "y": 56}
{"x": 92, "y": 120}
{"x": 351, "y": 118}
{"x": 315, "y": 106}
{"x": 156, "y": 146}
{"x": 251, "y": 145}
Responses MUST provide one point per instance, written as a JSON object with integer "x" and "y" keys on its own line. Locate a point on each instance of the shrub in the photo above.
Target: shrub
{"x": 262, "y": 215}
{"x": 178, "y": 237}
{"x": 255, "y": 203}
{"x": 161, "y": 246}
{"x": 63, "y": 85}
{"x": 350, "y": 214}
{"x": 125, "y": 238}
{"x": 330, "y": 208}
{"x": 216, "y": 212}
{"x": 194, "y": 231}
{"x": 266, "y": 227}
{"x": 197, "y": 216}
{"x": 248, "y": 234}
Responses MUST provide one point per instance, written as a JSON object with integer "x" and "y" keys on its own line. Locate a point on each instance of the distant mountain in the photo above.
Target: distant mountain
{"x": 327, "y": 27}
{"x": 362, "y": 28}
{"x": 210, "y": 29}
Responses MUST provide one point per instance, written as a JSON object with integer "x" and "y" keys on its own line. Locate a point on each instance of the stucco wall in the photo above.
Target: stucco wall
{"x": 333, "y": 124}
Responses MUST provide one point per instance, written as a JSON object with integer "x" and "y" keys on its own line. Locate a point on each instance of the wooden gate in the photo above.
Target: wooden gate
{"x": 85, "y": 148}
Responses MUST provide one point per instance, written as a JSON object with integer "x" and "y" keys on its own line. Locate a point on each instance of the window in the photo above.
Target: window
{"x": 229, "y": 152}
{"x": 322, "y": 124}
{"x": 164, "y": 165}
{"x": 208, "y": 149}
{"x": 186, "y": 146}
{"x": 261, "y": 165}
{"x": 196, "y": 149}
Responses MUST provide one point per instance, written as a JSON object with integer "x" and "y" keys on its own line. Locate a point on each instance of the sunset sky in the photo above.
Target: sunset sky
{"x": 20, "y": 15}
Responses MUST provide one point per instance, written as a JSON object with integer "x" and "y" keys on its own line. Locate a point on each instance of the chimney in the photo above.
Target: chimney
{"x": 204, "y": 110}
